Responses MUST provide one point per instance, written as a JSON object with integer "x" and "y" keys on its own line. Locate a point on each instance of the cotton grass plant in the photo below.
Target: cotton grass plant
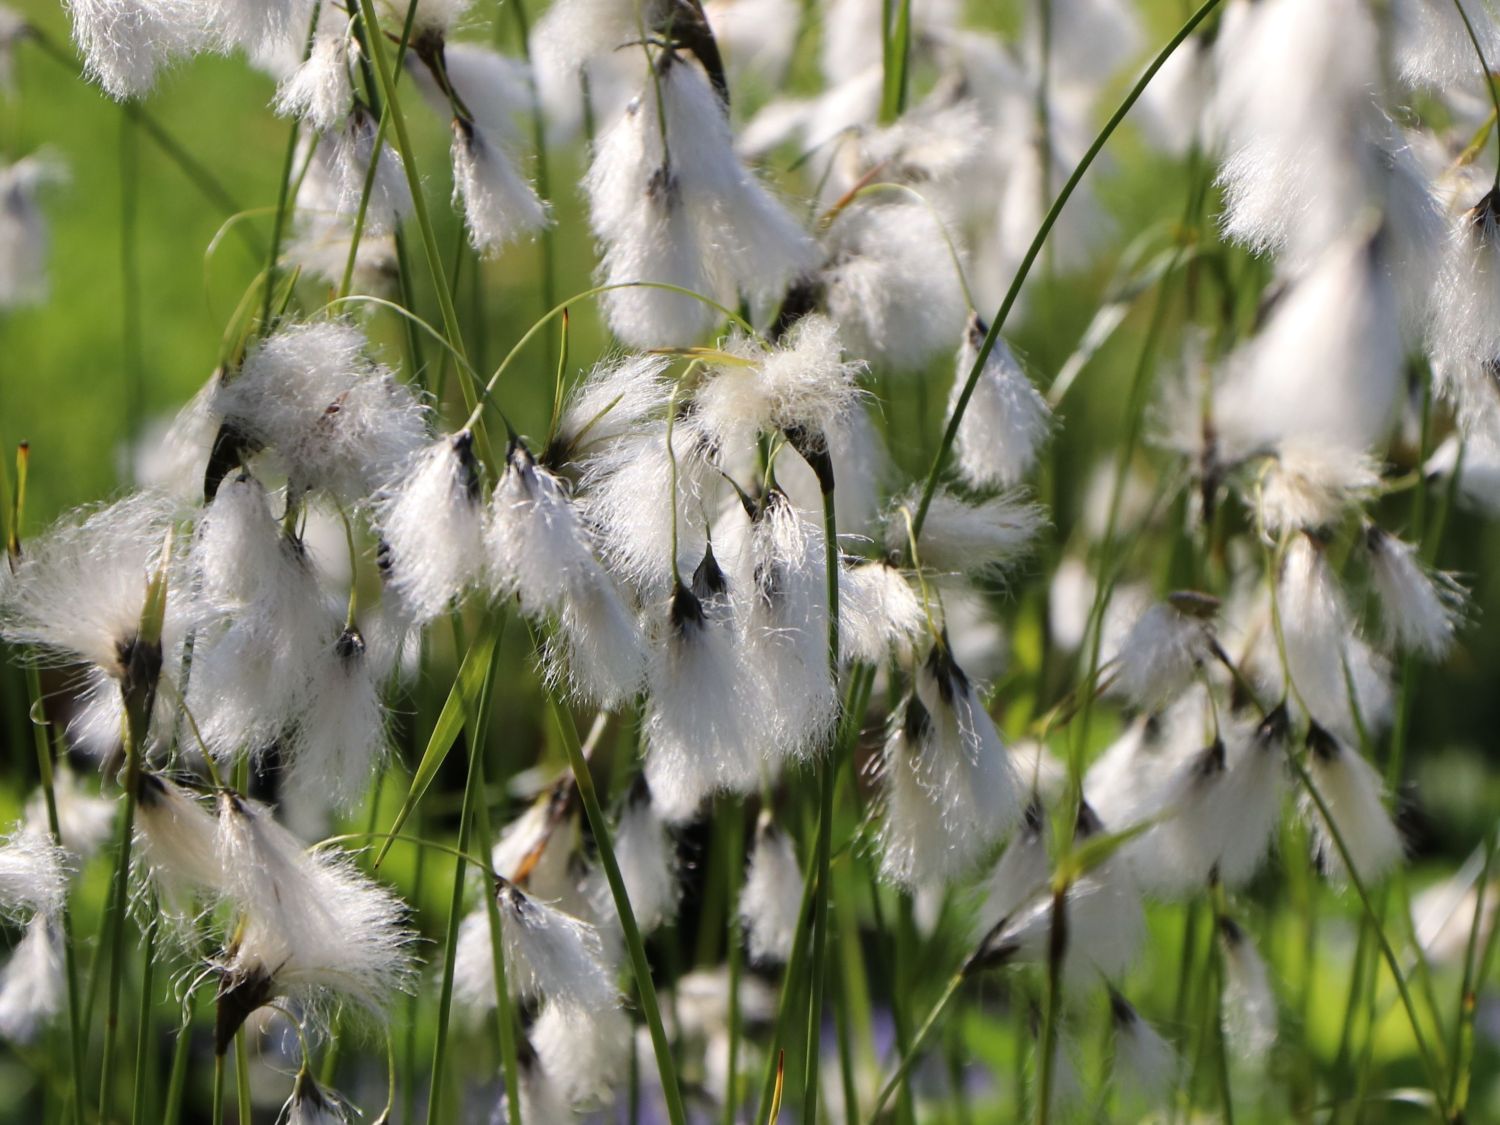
{"x": 703, "y": 681}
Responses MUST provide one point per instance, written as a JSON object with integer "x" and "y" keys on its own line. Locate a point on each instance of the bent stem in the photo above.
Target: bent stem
{"x": 640, "y": 966}
{"x": 990, "y": 337}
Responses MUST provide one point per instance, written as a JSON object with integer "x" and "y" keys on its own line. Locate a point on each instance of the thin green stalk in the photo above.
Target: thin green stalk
{"x": 145, "y": 1030}
{"x": 283, "y": 187}
{"x": 130, "y": 278}
{"x": 641, "y": 967}
{"x": 1468, "y": 999}
{"x": 216, "y": 1107}
{"x": 242, "y": 1077}
{"x": 1057, "y": 946}
{"x": 177, "y": 1078}
{"x": 896, "y": 56}
{"x": 504, "y": 1015}
{"x": 908, "y": 1060}
{"x": 940, "y": 460}
{"x": 1429, "y": 1060}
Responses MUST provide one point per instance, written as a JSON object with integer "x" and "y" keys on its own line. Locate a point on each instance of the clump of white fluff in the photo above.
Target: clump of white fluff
{"x": 430, "y": 521}
{"x": 1163, "y": 651}
{"x": 339, "y": 739}
{"x": 319, "y": 91}
{"x": 647, "y": 855}
{"x": 33, "y": 984}
{"x": 1352, "y": 792}
{"x": 126, "y": 43}
{"x": 880, "y": 614}
{"x": 978, "y": 538}
{"x": 334, "y": 418}
{"x": 499, "y": 205}
{"x": 352, "y": 151}
{"x": 1421, "y": 608}
{"x": 1006, "y": 421}
{"x": 1250, "y": 1015}
{"x": 33, "y": 875}
{"x": 891, "y": 284}
{"x": 1145, "y": 1065}
{"x": 1308, "y": 485}
{"x": 770, "y": 907}
{"x": 615, "y": 398}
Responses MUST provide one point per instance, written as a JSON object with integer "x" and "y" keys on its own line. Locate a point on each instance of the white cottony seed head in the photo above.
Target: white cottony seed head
{"x": 770, "y": 908}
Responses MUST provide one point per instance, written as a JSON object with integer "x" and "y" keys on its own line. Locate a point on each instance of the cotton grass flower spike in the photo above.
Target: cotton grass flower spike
{"x": 83, "y": 819}
{"x": 499, "y": 205}
{"x": 311, "y": 1104}
{"x": 1019, "y": 873}
{"x": 312, "y": 926}
{"x": 647, "y": 854}
{"x": 615, "y": 398}
{"x": 979, "y": 538}
{"x": 33, "y": 984}
{"x": 334, "y": 418}
{"x": 340, "y": 737}
{"x": 950, "y": 790}
{"x": 127, "y": 43}
{"x": 542, "y": 1098}
{"x": 783, "y": 628}
{"x": 33, "y": 876}
{"x": 1464, "y": 341}
{"x": 178, "y": 840}
{"x": 1308, "y": 485}
{"x": 78, "y": 590}
{"x": 770, "y": 908}
{"x": 804, "y": 387}
{"x": 698, "y": 722}
{"x": 553, "y": 956}
{"x": 1432, "y": 44}
{"x": 572, "y": 32}
{"x": 1421, "y": 608}
{"x": 24, "y": 239}
{"x": 1250, "y": 1016}
{"x": 537, "y": 548}
{"x": 891, "y": 285}
{"x": 1007, "y": 418}
{"x": 880, "y": 615}
{"x": 430, "y": 521}
{"x": 584, "y": 1055}
{"x": 352, "y": 150}
{"x": 1164, "y": 650}
{"x": 1353, "y": 794}
{"x": 320, "y": 90}
{"x": 1144, "y": 1065}
{"x": 1322, "y": 642}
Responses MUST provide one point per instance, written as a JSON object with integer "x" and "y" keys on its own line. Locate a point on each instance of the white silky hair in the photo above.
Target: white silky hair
{"x": 178, "y": 839}
{"x": 782, "y": 610}
{"x": 1353, "y": 793}
{"x": 571, "y": 33}
{"x": 541, "y": 1098}
{"x": 615, "y": 398}
{"x": 1145, "y": 1063}
{"x": 701, "y": 730}
{"x": 951, "y": 791}
{"x": 499, "y": 205}
{"x": 537, "y": 548}
{"x": 1327, "y": 366}
{"x": 628, "y": 499}
{"x": 880, "y": 614}
{"x": 33, "y": 875}
{"x": 803, "y": 384}
{"x": 24, "y": 236}
{"x": 312, "y": 924}
{"x": 78, "y": 590}
{"x": 891, "y": 285}
{"x": 1160, "y": 655}
{"x": 127, "y": 43}
{"x": 757, "y": 37}
{"x": 260, "y": 27}
{"x": 1321, "y": 639}
{"x": 979, "y": 538}
{"x": 1463, "y": 339}
{"x": 584, "y": 1054}
{"x": 433, "y": 17}
{"x": 320, "y": 90}
{"x": 1007, "y": 420}
{"x": 339, "y": 739}
{"x": 1250, "y": 1015}
{"x": 33, "y": 984}
{"x": 333, "y": 418}
{"x": 1432, "y": 45}
{"x": 431, "y": 523}
{"x": 770, "y": 906}
{"x": 1421, "y": 608}
{"x": 647, "y": 855}
{"x": 84, "y": 820}
{"x": 1019, "y": 873}
{"x": 1307, "y": 484}
{"x": 351, "y": 151}
{"x": 552, "y": 955}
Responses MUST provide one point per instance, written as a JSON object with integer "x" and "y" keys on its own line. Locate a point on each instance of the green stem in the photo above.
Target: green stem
{"x": 734, "y": 847}
{"x": 145, "y": 1031}
{"x": 504, "y": 1014}
{"x": 1468, "y": 1000}
{"x": 641, "y": 967}
{"x": 216, "y": 1107}
{"x": 909, "y": 1059}
{"x": 949, "y": 434}
{"x": 242, "y": 1077}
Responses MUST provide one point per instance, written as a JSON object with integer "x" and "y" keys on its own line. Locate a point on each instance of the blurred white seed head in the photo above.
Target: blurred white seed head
{"x": 1145, "y": 1065}
{"x": 551, "y": 955}
{"x": 430, "y": 522}
{"x": 647, "y": 855}
{"x": 1308, "y": 484}
{"x": 891, "y": 284}
{"x": 178, "y": 838}
{"x": 1006, "y": 421}
{"x": 584, "y": 1054}
{"x": 352, "y": 151}
{"x": 614, "y": 399}
{"x": 1355, "y": 798}
{"x": 33, "y": 875}
{"x": 83, "y": 819}
{"x": 1019, "y": 874}
{"x": 127, "y": 43}
{"x": 340, "y": 736}
{"x": 24, "y": 238}
{"x": 770, "y": 907}
{"x": 571, "y": 32}
{"x": 499, "y": 205}
{"x": 1163, "y": 650}
{"x": 542, "y": 1097}
{"x": 1250, "y": 1017}
{"x": 1421, "y": 607}
{"x": 1432, "y": 44}
{"x": 33, "y": 984}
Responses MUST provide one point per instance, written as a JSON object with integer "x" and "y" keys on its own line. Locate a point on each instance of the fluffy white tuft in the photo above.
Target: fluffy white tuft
{"x": 770, "y": 907}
